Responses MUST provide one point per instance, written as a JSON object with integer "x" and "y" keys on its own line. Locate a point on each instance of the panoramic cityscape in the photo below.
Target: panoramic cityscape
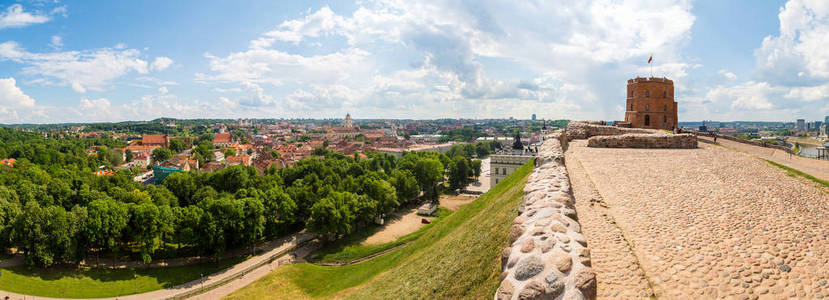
{"x": 414, "y": 150}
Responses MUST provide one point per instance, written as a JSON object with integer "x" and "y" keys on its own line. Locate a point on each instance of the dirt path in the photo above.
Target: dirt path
{"x": 618, "y": 272}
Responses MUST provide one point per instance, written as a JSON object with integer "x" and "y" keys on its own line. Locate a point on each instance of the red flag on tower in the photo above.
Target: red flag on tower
{"x": 650, "y": 59}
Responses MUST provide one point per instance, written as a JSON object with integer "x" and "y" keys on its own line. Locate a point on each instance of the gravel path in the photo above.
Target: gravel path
{"x": 707, "y": 223}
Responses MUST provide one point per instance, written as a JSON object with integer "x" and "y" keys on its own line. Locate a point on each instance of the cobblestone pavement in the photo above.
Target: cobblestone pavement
{"x": 617, "y": 268}
{"x": 704, "y": 223}
{"x": 815, "y": 167}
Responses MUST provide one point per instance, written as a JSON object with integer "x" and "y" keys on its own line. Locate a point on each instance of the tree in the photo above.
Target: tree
{"x": 428, "y": 172}
{"x": 183, "y": 186}
{"x": 228, "y": 152}
{"x": 106, "y": 222}
{"x": 381, "y": 192}
{"x": 176, "y": 145}
{"x": 128, "y": 155}
{"x": 254, "y": 219}
{"x": 459, "y": 172}
{"x": 475, "y": 164}
{"x": 333, "y": 215}
{"x": 146, "y": 228}
{"x": 280, "y": 210}
{"x": 161, "y": 154}
{"x": 43, "y": 234}
{"x": 9, "y": 211}
{"x": 405, "y": 184}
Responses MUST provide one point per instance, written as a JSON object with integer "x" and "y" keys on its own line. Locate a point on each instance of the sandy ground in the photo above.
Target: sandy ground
{"x": 403, "y": 223}
{"x": 407, "y": 221}
{"x": 455, "y": 202}
{"x": 700, "y": 223}
{"x": 815, "y": 167}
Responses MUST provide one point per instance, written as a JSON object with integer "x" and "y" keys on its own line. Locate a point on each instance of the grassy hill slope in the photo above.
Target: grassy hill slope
{"x": 456, "y": 258}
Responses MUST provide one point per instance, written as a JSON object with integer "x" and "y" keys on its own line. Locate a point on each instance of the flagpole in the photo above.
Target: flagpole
{"x": 650, "y": 63}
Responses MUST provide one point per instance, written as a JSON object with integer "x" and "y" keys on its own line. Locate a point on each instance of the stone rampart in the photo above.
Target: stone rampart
{"x": 586, "y": 129}
{"x": 755, "y": 143}
{"x": 548, "y": 256}
{"x": 600, "y": 135}
{"x": 638, "y": 140}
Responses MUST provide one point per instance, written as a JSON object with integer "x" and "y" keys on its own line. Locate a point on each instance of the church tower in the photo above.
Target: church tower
{"x": 650, "y": 103}
{"x": 347, "y": 122}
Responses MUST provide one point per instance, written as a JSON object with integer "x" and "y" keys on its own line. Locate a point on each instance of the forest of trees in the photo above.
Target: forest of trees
{"x": 53, "y": 209}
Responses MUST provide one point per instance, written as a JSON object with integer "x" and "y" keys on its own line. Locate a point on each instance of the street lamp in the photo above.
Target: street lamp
{"x": 202, "y": 282}
{"x": 135, "y": 276}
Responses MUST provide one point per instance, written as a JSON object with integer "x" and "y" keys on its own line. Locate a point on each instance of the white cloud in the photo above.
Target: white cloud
{"x": 277, "y": 67}
{"x": 799, "y": 53}
{"x": 81, "y": 70}
{"x": 435, "y": 54}
{"x": 162, "y": 90}
{"x": 728, "y": 75}
{"x": 14, "y": 16}
{"x": 56, "y": 42}
{"x": 12, "y": 96}
{"x": 161, "y": 63}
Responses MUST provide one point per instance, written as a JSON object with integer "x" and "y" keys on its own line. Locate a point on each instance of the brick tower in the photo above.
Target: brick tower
{"x": 650, "y": 103}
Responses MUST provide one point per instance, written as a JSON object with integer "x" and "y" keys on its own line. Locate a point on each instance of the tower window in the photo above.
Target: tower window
{"x": 647, "y": 107}
{"x": 666, "y": 119}
{"x": 664, "y": 94}
{"x": 665, "y": 108}
{"x": 647, "y": 120}
{"x": 647, "y": 93}
{"x": 631, "y": 106}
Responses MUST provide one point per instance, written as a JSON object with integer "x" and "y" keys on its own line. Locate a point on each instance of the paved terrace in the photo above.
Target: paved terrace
{"x": 699, "y": 223}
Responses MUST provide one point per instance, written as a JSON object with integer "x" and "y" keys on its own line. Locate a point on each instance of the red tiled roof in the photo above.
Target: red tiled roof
{"x": 151, "y": 139}
{"x": 222, "y": 138}
{"x": 8, "y": 162}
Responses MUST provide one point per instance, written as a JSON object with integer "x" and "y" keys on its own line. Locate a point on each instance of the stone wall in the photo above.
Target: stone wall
{"x": 548, "y": 256}
{"x": 600, "y": 135}
{"x": 638, "y": 140}
{"x": 586, "y": 129}
{"x": 755, "y": 143}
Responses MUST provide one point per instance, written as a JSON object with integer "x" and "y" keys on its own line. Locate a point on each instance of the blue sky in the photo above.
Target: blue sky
{"x": 88, "y": 61}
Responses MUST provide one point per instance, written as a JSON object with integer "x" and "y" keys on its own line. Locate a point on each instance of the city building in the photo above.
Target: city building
{"x": 223, "y": 139}
{"x": 155, "y": 140}
{"x": 801, "y": 125}
{"x": 348, "y": 122}
{"x": 650, "y": 103}
{"x": 508, "y": 160}
{"x": 533, "y": 117}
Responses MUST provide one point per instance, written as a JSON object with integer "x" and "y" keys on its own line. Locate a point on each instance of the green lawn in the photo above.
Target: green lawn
{"x": 70, "y": 282}
{"x": 350, "y": 248}
{"x": 793, "y": 172}
{"x": 458, "y": 257}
